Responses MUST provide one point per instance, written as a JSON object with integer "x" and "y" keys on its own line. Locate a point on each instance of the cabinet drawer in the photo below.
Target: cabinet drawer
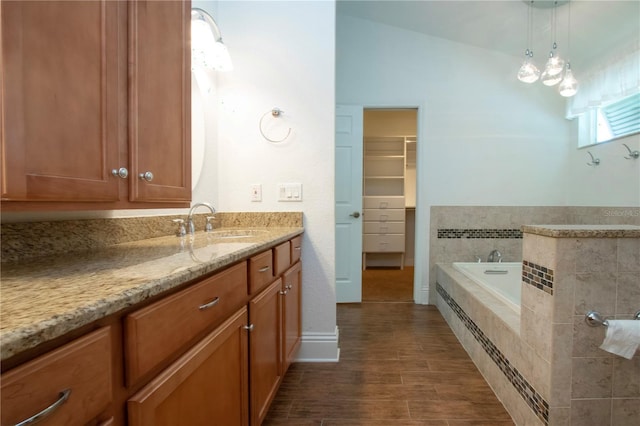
{"x": 296, "y": 249}
{"x": 281, "y": 258}
{"x": 383, "y": 203}
{"x": 157, "y": 331}
{"x": 83, "y": 367}
{"x": 384, "y": 215}
{"x": 384, "y": 227}
{"x": 376, "y": 243}
{"x": 260, "y": 271}
{"x": 205, "y": 386}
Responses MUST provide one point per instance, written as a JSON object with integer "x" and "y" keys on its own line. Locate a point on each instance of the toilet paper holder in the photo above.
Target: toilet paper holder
{"x": 594, "y": 319}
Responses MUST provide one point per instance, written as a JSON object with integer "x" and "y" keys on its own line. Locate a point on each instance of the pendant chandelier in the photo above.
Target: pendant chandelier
{"x": 556, "y": 70}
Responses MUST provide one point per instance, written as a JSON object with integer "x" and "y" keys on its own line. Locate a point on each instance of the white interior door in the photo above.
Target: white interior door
{"x": 348, "y": 204}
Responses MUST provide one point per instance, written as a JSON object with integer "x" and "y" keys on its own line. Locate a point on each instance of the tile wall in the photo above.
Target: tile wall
{"x": 588, "y": 386}
{"x": 460, "y": 233}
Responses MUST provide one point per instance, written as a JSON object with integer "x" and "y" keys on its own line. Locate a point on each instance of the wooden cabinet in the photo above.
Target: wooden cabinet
{"x": 92, "y": 87}
{"x": 209, "y": 354}
{"x": 291, "y": 314}
{"x": 205, "y": 387}
{"x": 74, "y": 381}
{"x": 155, "y": 332}
{"x": 265, "y": 317}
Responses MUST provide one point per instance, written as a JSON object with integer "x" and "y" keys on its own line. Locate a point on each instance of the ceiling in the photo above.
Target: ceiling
{"x": 597, "y": 27}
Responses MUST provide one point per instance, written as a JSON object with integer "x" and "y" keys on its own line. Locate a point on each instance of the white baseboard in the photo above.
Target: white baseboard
{"x": 319, "y": 347}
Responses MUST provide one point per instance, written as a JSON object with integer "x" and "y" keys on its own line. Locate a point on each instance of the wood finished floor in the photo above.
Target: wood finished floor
{"x": 400, "y": 364}
{"x": 387, "y": 285}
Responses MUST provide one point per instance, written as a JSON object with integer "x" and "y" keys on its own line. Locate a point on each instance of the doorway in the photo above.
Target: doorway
{"x": 389, "y": 204}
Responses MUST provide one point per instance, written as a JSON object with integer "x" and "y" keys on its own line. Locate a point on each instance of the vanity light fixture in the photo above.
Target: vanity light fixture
{"x": 207, "y": 48}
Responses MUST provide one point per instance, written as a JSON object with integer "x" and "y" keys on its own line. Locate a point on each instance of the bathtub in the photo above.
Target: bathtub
{"x": 500, "y": 279}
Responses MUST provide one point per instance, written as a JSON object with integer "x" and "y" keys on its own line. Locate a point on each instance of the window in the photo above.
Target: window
{"x": 618, "y": 119}
{"x": 612, "y": 121}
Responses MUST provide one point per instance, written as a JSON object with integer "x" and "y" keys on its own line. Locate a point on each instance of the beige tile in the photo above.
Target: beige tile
{"x": 535, "y": 330}
{"x": 565, "y": 261}
{"x": 561, "y": 365}
{"x": 628, "y": 298}
{"x": 625, "y": 412}
{"x": 628, "y": 255}
{"x": 626, "y": 377}
{"x": 591, "y": 412}
{"x": 563, "y": 297}
{"x": 591, "y": 377}
{"x": 560, "y": 416}
{"x": 595, "y": 291}
{"x": 587, "y": 339}
{"x": 596, "y": 255}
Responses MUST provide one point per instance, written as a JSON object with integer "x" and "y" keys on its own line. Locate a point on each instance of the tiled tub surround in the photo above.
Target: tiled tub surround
{"x": 460, "y": 233}
{"x": 46, "y": 297}
{"x": 549, "y": 344}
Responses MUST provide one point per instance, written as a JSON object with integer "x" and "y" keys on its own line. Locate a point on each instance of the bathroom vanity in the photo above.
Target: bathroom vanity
{"x": 169, "y": 330}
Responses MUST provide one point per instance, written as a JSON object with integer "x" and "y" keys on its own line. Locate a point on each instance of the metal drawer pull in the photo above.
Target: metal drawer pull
{"x": 289, "y": 287}
{"x": 298, "y": 248}
{"x": 249, "y": 327}
{"x": 146, "y": 176}
{"x": 210, "y": 304}
{"x": 264, "y": 269}
{"x": 62, "y": 398}
{"x": 284, "y": 293}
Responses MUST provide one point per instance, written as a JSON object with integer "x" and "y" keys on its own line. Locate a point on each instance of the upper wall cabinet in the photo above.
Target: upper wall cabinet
{"x": 95, "y": 104}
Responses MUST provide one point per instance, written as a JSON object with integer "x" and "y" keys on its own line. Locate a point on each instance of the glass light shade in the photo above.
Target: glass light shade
{"x": 549, "y": 79}
{"x": 569, "y": 85}
{"x": 206, "y": 51}
{"x": 528, "y": 72}
{"x": 554, "y": 65}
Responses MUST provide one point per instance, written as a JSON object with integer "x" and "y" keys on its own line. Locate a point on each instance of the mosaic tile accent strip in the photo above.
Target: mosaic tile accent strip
{"x": 538, "y": 276}
{"x": 480, "y": 233}
{"x": 533, "y": 399}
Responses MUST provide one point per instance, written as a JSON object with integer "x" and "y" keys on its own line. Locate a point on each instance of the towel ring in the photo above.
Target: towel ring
{"x": 275, "y": 113}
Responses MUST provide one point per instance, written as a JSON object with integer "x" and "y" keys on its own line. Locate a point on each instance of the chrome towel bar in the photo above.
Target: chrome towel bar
{"x": 594, "y": 319}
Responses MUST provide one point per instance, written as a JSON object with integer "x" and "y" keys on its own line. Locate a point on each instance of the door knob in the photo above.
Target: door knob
{"x": 355, "y": 214}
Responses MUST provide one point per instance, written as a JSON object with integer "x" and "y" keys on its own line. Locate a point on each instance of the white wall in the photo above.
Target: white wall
{"x": 485, "y": 138}
{"x": 284, "y": 56}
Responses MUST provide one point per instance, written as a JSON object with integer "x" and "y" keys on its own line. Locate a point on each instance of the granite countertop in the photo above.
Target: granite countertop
{"x": 45, "y": 298}
{"x": 584, "y": 231}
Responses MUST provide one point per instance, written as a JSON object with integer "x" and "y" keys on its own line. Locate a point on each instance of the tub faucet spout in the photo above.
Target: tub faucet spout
{"x": 190, "y": 226}
{"x": 495, "y": 256}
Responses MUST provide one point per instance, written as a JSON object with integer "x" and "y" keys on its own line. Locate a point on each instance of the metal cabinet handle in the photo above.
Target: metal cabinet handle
{"x": 62, "y": 398}
{"x": 289, "y": 287}
{"x": 147, "y": 176}
{"x": 284, "y": 293}
{"x": 122, "y": 172}
{"x": 355, "y": 214}
{"x": 249, "y": 327}
{"x": 264, "y": 269}
{"x": 210, "y": 304}
{"x": 297, "y": 248}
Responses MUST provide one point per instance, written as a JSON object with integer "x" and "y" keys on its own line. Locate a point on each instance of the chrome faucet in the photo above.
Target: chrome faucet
{"x": 494, "y": 256}
{"x": 190, "y": 226}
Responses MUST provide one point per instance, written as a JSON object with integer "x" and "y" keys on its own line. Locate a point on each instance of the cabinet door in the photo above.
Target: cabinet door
{"x": 60, "y": 109}
{"x": 160, "y": 100}
{"x": 292, "y": 315}
{"x": 205, "y": 387}
{"x": 82, "y": 368}
{"x": 265, "y": 352}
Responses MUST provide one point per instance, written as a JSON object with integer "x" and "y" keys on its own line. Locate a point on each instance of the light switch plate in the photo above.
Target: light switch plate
{"x": 256, "y": 192}
{"x": 289, "y": 192}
